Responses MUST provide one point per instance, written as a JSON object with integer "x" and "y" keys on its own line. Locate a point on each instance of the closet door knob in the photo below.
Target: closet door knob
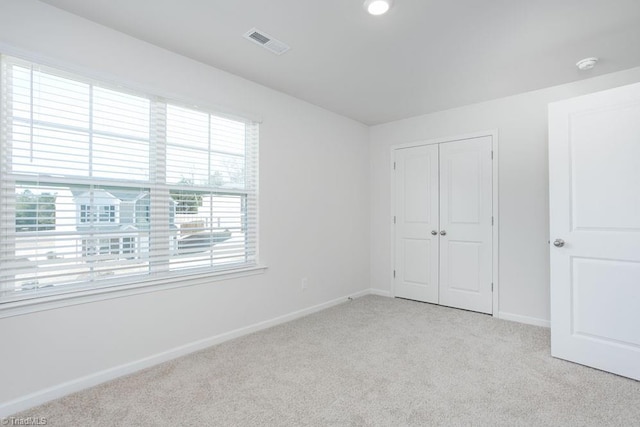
{"x": 558, "y": 243}
{"x": 443, "y": 233}
{"x": 434, "y": 232}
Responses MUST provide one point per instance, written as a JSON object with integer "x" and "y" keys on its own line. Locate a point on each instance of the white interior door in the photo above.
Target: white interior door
{"x": 594, "y": 175}
{"x": 466, "y": 224}
{"x": 416, "y": 248}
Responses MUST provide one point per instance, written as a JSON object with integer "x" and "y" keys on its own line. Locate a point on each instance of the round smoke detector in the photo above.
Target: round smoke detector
{"x": 586, "y": 63}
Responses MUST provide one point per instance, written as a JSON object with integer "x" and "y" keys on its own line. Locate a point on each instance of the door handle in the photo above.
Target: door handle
{"x": 443, "y": 233}
{"x": 434, "y": 232}
{"x": 558, "y": 243}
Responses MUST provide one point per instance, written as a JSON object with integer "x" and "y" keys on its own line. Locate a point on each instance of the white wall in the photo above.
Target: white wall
{"x": 314, "y": 216}
{"x": 521, "y": 122}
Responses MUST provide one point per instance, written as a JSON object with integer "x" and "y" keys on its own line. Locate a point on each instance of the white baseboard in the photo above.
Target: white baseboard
{"x": 380, "y": 292}
{"x": 524, "y": 319}
{"x": 45, "y": 395}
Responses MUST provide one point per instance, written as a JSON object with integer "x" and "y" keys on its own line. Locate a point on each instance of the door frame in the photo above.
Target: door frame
{"x": 494, "y": 205}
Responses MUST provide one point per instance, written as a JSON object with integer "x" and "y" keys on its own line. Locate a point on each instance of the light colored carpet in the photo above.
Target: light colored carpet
{"x": 371, "y": 362}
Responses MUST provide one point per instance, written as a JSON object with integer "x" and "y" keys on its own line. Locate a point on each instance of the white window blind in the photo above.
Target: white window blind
{"x": 102, "y": 187}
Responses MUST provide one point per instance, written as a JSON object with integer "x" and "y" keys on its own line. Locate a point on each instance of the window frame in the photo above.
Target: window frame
{"x": 152, "y": 280}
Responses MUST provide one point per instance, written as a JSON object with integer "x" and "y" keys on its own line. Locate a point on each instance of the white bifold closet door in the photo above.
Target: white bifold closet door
{"x": 417, "y": 217}
{"x": 443, "y": 224}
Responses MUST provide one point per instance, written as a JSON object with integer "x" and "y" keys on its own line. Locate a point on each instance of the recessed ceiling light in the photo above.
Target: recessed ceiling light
{"x": 377, "y": 7}
{"x": 586, "y": 63}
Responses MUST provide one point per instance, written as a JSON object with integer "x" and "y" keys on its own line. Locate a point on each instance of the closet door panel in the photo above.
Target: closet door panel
{"x": 466, "y": 224}
{"x": 416, "y": 207}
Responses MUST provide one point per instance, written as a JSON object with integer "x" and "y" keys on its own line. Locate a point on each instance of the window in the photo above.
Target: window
{"x": 90, "y": 213}
{"x": 101, "y": 186}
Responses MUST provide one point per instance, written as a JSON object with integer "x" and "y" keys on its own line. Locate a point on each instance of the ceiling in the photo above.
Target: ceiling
{"x": 422, "y": 56}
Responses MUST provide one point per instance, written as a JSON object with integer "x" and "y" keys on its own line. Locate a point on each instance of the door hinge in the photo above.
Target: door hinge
{"x": 491, "y": 220}
{"x": 491, "y": 154}
{"x": 491, "y": 286}
{"x": 394, "y": 274}
{"x": 394, "y": 219}
{"x": 394, "y": 165}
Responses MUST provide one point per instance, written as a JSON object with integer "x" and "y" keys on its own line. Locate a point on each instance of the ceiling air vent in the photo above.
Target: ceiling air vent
{"x": 266, "y": 41}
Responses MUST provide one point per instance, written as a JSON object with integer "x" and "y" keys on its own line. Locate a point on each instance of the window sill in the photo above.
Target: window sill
{"x": 85, "y": 296}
